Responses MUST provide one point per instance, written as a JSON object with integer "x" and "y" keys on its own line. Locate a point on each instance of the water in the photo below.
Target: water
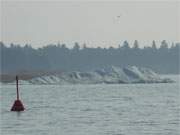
{"x": 126, "y": 109}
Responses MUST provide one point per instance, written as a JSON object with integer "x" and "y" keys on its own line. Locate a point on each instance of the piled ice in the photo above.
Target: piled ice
{"x": 111, "y": 75}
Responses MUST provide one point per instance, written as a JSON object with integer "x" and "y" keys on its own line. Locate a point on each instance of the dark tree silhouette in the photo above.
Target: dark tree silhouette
{"x": 57, "y": 57}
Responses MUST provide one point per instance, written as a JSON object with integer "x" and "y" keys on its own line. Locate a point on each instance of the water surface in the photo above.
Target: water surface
{"x": 124, "y": 109}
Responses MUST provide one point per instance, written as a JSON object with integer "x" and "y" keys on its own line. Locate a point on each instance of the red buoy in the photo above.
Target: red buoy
{"x": 17, "y": 106}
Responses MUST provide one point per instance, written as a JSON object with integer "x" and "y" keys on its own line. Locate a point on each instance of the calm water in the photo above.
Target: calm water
{"x": 132, "y": 109}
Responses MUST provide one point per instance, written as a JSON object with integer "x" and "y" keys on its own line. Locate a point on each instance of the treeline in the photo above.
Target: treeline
{"x": 57, "y": 57}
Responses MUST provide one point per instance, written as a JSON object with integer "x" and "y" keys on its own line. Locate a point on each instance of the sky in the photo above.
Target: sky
{"x": 96, "y": 23}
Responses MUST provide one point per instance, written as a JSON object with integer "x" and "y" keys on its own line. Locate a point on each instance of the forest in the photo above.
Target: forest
{"x": 59, "y": 58}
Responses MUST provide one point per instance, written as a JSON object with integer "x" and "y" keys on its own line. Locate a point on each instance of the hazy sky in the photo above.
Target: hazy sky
{"x": 94, "y": 23}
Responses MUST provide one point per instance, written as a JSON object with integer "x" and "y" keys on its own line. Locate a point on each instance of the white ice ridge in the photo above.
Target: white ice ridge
{"x": 110, "y": 75}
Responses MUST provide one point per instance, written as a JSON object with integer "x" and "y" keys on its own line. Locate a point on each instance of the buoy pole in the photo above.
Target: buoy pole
{"x": 17, "y": 87}
{"x": 17, "y": 106}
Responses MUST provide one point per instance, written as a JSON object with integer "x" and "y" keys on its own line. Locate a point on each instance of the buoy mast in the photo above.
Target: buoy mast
{"x": 17, "y": 87}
